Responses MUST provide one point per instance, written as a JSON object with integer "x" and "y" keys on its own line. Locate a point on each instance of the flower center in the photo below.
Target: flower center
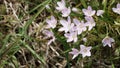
{"x": 85, "y": 50}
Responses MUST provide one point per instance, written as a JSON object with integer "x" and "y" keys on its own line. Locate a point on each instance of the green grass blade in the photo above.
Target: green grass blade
{"x": 104, "y": 4}
{"x": 4, "y": 45}
{"x": 44, "y": 3}
{"x": 35, "y": 16}
{"x": 83, "y": 3}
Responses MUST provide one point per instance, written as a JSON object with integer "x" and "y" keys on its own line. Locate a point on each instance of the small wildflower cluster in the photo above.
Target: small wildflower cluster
{"x": 73, "y": 27}
{"x": 51, "y": 23}
{"x": 85, "y": 51}
{"x": 49, "y": 34}
{"x": 63, "y": 9}
{"x": 60, "y": 33}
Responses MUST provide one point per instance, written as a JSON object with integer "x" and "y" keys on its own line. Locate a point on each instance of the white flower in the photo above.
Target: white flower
{"x": 117, "y": 9}
{"x": 74, "y": 52}
{"x": 66, "y": 12}
{"x": 51, "y": 22}
{"x": 80, "y": 26}
{"x": 108, "y": 41}
{"x": 72, "y": 36}
{"x": 49, "y": 34}
{"x": 100, "y": 12}
{"x": 90, "y": 22}
{"x": 88, "y": 11}
{"x": 63, "y": 9}
{"x": 61, "y": 5}
{"x": 67, "y": 25}
{"x": 85, "y": 51}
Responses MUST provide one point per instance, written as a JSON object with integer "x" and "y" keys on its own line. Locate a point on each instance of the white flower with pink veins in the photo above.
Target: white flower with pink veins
{"x": 90, "y": 22}
{"x": 49, "y": 34}
{"x": 108, "y": 41}
{"x": 85, "y": 51}
{"x": 88, "y": 11}
{"x": 117, "y": 9}
{"x": 67, "y": 25}
{"x": 72, "y": 36}
{"x": 63, "y": 9}
{"x": 80, "y": 26}
{"x": 61, "y": 5}
{"x": 51, "y": 23}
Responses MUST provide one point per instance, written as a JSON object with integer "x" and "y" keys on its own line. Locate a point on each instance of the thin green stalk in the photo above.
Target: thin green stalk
{"x": 104, "y": 4}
